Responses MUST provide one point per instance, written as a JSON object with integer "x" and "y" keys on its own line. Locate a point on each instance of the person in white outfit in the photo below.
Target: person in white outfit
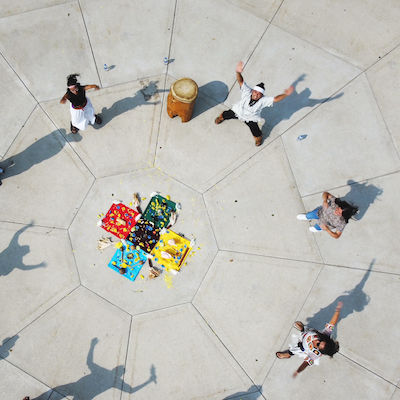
{"x": 82, "y": 111}
{"x": 248, "y": 108}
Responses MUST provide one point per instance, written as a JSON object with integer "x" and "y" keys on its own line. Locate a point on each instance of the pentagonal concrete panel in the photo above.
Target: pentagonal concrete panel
{"x": 79, "y": 348}
{"x": 136, "y": 45}
{"x": 337, "y": 378}
{"x": 125, "y": 141}
{"x": 43, "y": 176}
{"x": 190, "y": 350}
{"x": 29, "y": 257}
{"x": 142, "y": 295}
{"x": 384, "y": 78}
{"x": 13, "y": 118}
{"x": 57, "y": 52}
{"x": 372, "y": 235}
{"x": 259, "y": 203}
{"x": 272, "y": 294}
{"x": 281, "y": 60}
{"x": 359, "y": 32}
{"x": 346, "y": 139}
{"x": 370, "y": 299}
{"x": 200, "y": 153}
{"x": 200, "y": 36}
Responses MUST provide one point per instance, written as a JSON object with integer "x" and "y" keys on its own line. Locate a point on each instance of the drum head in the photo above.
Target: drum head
{"x": 184, "y": 90}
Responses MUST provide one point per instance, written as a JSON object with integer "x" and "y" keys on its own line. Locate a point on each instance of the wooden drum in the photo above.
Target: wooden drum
{"x": 181, "y": 98}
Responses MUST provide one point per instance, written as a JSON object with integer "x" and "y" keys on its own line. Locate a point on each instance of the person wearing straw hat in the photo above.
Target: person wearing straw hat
{"x": 82, "y": 111}
{"x": 248, "y": 108}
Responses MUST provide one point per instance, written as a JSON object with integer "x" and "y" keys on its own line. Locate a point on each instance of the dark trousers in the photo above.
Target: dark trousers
{"x": 255, "y": 129}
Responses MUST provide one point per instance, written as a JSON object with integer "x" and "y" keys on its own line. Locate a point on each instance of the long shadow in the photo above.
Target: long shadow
{"x": 11, "y": 257}
{"x": 140, "y": 98}
{"x": 99, "y": 380}
{"x": 217, "y": 91}
{"x": 253, "y": 389}
{"x": 353, "y": 300}
{"x": 7, "y": 345}
{"x": 363, "y": 195}
{"x": 41, "y": 150}
{"x": 283, "y": 110}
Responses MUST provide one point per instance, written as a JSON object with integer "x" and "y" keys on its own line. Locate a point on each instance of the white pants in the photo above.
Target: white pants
{"x": 81, "y": 118}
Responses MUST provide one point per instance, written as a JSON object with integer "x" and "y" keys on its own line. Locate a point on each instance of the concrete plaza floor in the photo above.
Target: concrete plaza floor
{"x": 73, "y": 328}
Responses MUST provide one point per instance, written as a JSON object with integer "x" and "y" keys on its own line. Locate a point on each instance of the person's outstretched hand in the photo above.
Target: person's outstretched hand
{"x": 239, "y": 67}
{"x": 289, "y": 91}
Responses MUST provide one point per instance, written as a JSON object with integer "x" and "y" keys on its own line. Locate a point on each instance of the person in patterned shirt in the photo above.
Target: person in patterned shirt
{"x": 311, "y": 344}
{"x": 333, "y": 215}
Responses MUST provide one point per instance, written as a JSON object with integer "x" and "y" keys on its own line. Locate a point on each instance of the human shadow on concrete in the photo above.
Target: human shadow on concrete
{"x": 214, "y": 92}
{"x": 99, "y": 380}
{"x": 284, "y": 109}
{"x": 362, "y": 195}
{"x": 140, "y": 98}
{"x": 254, "y": 391}
{"x": 353, "y": 300}
{"x": 11, "y": 257}
{"x": 7, "y": 345}
{"x": 40, "y": 150}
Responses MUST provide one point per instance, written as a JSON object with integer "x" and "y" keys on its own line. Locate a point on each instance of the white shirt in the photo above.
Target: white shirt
{"x": 244, "y": 111}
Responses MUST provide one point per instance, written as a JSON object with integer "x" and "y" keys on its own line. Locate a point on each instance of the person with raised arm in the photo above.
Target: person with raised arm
{"x": 311, "y": 344}
{"x": 248, "y": 108}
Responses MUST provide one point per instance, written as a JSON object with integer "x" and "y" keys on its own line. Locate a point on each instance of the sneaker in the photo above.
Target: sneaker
{"x": 314, "y": 230}
{"x": 302, "y": 217}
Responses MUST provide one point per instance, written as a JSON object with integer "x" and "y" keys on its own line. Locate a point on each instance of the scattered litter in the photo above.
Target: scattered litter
{"x": 103, "y": 243}
{"x": 168, "y": 281}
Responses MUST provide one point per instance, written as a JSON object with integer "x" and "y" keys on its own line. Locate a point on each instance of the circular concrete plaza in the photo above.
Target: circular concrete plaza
{"x": 73, "y": 328}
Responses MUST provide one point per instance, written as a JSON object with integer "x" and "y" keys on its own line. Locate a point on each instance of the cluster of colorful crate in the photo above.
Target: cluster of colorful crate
{"x": 145, "y": 236}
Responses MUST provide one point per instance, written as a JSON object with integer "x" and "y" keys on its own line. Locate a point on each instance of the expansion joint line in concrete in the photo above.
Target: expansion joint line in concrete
{"x": 204, "y": 277}
{"x": 369, "y": 370}
{"x": 126, "y": 356}
{"x": 223, "y": 344}
{"x": 378, "y": 103}
{"x": 261, "y": 37}
{"x": 165, "y": 82}
{"x": 16, "y": 74}
{"x": 90, "y": 43}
